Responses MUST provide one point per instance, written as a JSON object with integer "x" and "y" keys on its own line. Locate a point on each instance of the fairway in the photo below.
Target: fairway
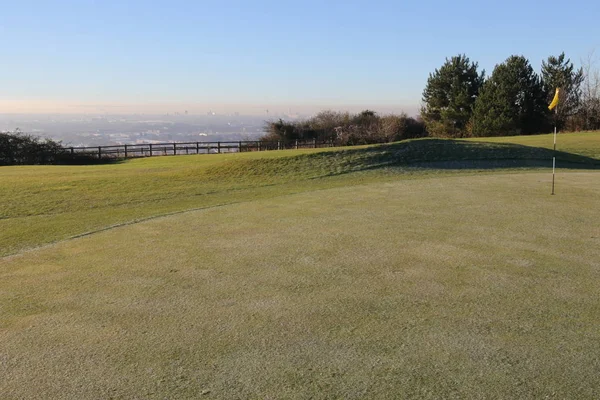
{"x": 446, "y": 287}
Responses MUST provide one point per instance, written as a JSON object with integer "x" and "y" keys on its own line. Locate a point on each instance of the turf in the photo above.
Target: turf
{"x": 46, "y": 204}
{"x": 477, "y": 286}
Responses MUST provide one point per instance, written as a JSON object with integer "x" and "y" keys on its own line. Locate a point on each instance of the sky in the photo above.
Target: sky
{"x": 157, "y": 56}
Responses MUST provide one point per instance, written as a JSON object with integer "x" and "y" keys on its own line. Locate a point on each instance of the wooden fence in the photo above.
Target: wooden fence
{"x": 181, "y": 148}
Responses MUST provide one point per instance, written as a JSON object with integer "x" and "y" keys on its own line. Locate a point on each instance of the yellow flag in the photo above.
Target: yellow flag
{"x": 554, "y": 100}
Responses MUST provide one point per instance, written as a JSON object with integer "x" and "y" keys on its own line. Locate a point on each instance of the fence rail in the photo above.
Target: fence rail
{"x": 182, "y": 148}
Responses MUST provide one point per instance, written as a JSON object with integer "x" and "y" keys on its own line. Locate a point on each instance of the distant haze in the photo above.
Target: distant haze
{"x": 156, "y": 108}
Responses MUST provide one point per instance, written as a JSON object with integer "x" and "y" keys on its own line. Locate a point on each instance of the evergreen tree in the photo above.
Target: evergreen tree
{"x": 558, "y": 72}
{"x": 450, "y": 95}
{"x": 511, "y": 102}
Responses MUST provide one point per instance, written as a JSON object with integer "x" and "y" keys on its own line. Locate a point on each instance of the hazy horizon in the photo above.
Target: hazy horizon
{"x": 158, "y": 108}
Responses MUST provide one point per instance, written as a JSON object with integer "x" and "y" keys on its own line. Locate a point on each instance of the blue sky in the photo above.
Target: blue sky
{"x": 286, "y": 53}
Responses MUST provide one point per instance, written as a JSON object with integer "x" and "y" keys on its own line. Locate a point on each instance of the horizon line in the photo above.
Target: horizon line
{"x": 25, "y": 107}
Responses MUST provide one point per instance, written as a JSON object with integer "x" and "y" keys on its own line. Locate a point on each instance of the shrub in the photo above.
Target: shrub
{"x": 17, "y": 148}
{"x": 346, "y": 129}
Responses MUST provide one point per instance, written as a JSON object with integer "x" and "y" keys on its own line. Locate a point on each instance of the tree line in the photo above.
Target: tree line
{"x": 459, "y": 100}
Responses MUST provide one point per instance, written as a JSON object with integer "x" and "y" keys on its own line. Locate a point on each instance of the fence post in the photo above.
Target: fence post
{"x": 150, "y": 149}
{"x": 197, "y": 148}
{"x": 125, "y": 151}
{"x": 315, "y": 143}
{"x": 296, "y": 144}
{"x": 174, "y": 149}
{"x": 219, "y": 147}
{"x": 240, "y": 146}
{"x": 279, "y": 145}
{"x": 99, "y": 151}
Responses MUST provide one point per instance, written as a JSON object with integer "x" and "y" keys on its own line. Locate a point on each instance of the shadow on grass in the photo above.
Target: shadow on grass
{"x": 460, "y": 154}
{"x": 89, "y": 161}
{"x": 62, "y": 159}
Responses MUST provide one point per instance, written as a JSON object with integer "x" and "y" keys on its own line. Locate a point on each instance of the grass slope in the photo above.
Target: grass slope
{"x": 451, "y": 287}
{"x": 44, "y": 204}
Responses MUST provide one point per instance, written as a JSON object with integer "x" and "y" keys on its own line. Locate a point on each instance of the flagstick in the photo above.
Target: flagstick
{"x": 554, "y": 151}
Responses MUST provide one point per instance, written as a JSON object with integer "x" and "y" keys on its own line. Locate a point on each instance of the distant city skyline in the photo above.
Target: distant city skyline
{"x": 158, "y": 57}
{"x": 157, "y": 108}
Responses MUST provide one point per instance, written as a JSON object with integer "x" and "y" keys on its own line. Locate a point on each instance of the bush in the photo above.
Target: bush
{"x": 346, "y": 129}
{"x": 17, "y": 148}
{"x": 400, "y": 127}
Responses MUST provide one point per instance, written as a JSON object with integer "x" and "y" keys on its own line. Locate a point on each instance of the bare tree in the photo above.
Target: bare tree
{"x": 590, "y": 96}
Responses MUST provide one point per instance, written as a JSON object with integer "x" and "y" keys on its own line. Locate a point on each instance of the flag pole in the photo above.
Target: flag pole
{"x": 554, "y": 106}
{"x": 554, "y": 150}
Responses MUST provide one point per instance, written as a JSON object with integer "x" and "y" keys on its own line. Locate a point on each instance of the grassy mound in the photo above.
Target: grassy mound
{"x": 425, "y": 153}
{"x": 43, "y": 204}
